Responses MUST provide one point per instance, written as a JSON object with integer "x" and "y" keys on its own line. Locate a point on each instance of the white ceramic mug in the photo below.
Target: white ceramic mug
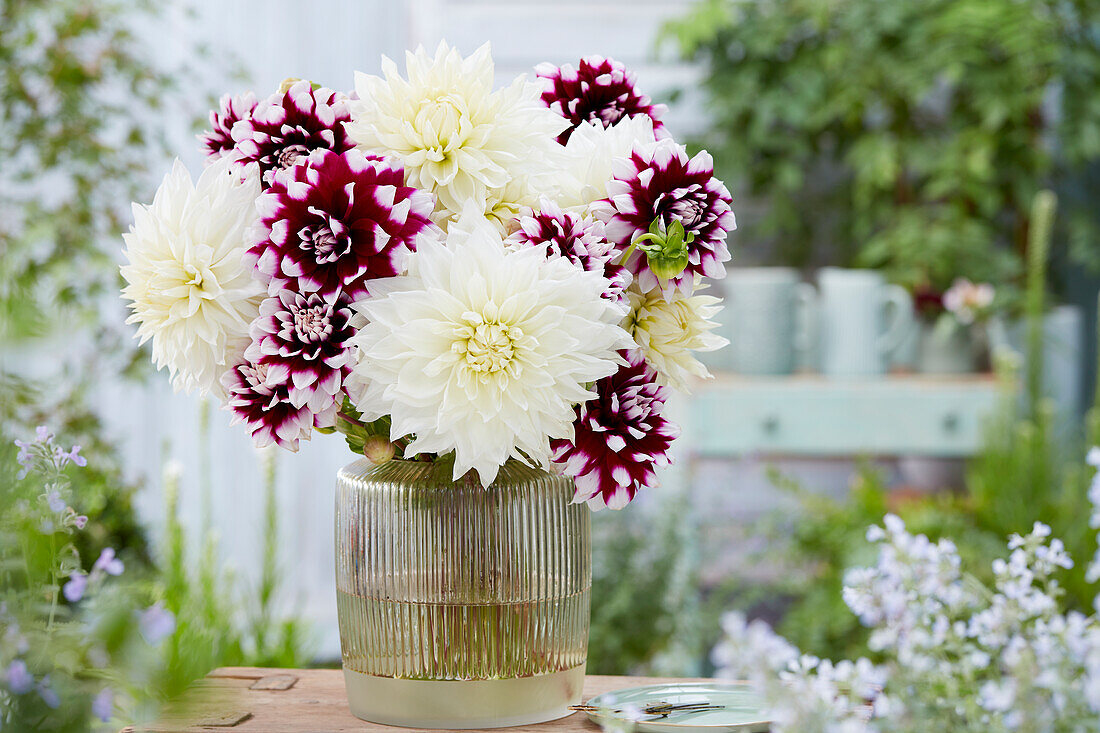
{"x": 862, "y": 321}
{"x": 766, "y": 319}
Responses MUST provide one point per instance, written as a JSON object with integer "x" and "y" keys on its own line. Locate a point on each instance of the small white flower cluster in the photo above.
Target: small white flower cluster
{"x": 915, "y": 585}
{"x": 957, "y": 656}
{"x": 804, "y": 693}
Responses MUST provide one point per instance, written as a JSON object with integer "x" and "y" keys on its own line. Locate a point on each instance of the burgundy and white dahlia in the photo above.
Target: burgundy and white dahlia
{"x": 218, "y": 140}
{"x": 290, "y": 125}
{"x": 264, "y": 405}
{"x": 678, "y": 207}
{"x": 620, "y": 437}
{"x": 305, "y": 342}
{"x": 579, "y": 239}
{"x": 333, "y": 222}
{"x": 600, "y": 90}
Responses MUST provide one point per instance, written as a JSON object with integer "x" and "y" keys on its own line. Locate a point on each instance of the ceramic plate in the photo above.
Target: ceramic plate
{"x": 740, "y": 712}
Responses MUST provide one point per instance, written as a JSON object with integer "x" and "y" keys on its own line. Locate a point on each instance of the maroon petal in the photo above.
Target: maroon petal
{"x": 581, "y": 240}
{"x": 313, "y": 237}
{"x": 290, "y": 125}
{"x": 599, "y": 90}
{"x": 660, "y": 183}
{"x": 620, "y": 436}
{"x": 218, "y": 140}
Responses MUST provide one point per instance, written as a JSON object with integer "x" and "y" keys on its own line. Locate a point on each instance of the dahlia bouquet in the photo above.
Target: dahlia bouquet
{"x": 439, "y": 269}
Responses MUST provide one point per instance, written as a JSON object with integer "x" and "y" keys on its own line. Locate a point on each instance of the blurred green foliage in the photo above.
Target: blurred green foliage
{"x": 86, "y": 646}
{"x": 220, "y": 621}
{"x": 105, "y": 496}
{"x": 1025, "y": 474}
{"x": 909, "y": 135}
{"x": 79, "y": 97}
{"x": 84, "y": 108}
{"x": 1029, "y": 469}
{"x": 74, "y": 646}
{"x": 645, "y": 618}
{"x": 79, "y": 93}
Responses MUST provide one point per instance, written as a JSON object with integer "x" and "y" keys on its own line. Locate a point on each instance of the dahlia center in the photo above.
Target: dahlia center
{"x": 608, "y": 114}
{"x": 289, "y": 155}
{"x": 194, "y": 276}
{"x": 312, "y": 324}
{"x": 440, "y": 119}
{"x": 487, "y": 346}
{"x": 201, "y": 280}
{"x": 687, "y": 206}
{"x": 327, "y": 238}
{"x": 255, "y": 376}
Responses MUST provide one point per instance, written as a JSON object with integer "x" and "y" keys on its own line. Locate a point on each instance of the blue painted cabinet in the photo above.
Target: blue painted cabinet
{"x": 812, "y": 416}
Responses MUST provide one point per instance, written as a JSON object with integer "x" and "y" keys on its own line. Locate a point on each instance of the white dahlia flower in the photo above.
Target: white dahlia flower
{"x": 591, "y": 151}
{"x": 671, "y": 330}
{"x": 188, "y": 285}
{"x": 506, "y": 206}
{"x": 455, "y": 136}
{"x": 484, "y": 350}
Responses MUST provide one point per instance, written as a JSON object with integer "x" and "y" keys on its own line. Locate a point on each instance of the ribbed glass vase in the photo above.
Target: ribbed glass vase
{"x": 460, "y": 606}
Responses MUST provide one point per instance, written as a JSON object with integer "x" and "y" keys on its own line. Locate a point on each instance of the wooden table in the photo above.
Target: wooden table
{"x": 257, "y": 700}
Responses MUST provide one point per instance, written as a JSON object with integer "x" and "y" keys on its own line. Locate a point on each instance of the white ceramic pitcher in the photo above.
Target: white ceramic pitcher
{"x": 767, "y": 319}
{"x": 862, "y": 320}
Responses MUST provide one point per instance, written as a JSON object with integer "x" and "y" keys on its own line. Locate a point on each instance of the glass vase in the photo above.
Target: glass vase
{"x": 461, "y": 606}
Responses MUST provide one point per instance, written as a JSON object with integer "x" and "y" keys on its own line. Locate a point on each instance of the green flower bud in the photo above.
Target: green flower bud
{"x": 378, "y": 449}
{"x": 665, "y": 249}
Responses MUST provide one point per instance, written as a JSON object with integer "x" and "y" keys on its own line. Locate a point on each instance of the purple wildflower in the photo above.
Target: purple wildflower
{"x": 74, "y": 589}
{"x": 24, "y": 456}
{"x": 108, "y": 563}
{"x": 79, "y": 521}
{"x": 48, "y": 694}
{"x": 74, "y": 456}
{"x": 156, "y": 623}
{"x": 42, "y": 434}
{"x": 103, "y": 705}
{"x": 55, "y": 502}
{"x": 20, "y": 680}
{"x": 14, "y": 638}
{"x": 61, "y": 457}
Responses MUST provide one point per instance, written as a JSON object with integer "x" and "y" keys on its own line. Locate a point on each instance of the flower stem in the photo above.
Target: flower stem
{"x": 629, "y": 251}
{"x": 56, "y": 588}
{"x": 348, "y": 418}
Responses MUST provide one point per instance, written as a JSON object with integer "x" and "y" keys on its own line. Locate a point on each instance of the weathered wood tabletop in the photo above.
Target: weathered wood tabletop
{"x": 255, "y": 700}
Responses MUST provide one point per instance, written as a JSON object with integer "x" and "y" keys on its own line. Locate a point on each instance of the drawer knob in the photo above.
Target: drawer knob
{"x": 951, "y": 422}
{"x": 770, "y": 424}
